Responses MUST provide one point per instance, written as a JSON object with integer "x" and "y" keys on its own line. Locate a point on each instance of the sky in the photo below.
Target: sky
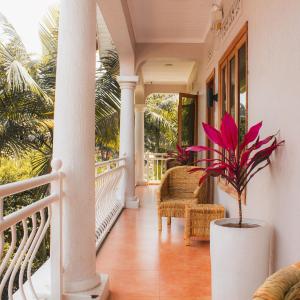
{"x": 25, "y": 16}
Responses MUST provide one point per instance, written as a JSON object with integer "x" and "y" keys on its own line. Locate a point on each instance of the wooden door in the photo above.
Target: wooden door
{"x": 187, "y": 120}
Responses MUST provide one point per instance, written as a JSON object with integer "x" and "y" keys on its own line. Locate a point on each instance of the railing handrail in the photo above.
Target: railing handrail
{"x": 109, "y": 171}
{"x": 157, "y": 153}
{"x": 27, "y": 211}
{"x": 103, "y": 163}
{"x": 26, "y": 184}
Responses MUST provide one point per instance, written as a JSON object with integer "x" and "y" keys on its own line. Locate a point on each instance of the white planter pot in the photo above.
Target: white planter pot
{"x": 239, "y": 259}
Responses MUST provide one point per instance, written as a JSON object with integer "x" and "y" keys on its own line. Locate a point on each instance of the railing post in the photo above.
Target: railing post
{"x": 147, "y": 166}
{"x": 122, "y": 184}
{"x": 56, "y": 235}
{"x": 1, "y": 219}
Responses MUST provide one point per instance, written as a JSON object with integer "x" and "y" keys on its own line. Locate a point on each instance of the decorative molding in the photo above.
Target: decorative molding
{"x": 210, "y": 54}
{"x": 233, "y": 14}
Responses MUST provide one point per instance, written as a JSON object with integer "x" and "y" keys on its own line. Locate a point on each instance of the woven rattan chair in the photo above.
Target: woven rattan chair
{"x": 177, "y": 189}
{"x": 198, "y": 218}
{"x": 282, "y": 285}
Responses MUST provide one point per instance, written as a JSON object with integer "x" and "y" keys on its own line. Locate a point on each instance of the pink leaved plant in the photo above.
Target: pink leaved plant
{"x": 237, "y": 162}
{"x": 183, "y": 155}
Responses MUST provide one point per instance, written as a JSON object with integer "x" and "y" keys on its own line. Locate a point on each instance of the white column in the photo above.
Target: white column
{"x": 127, "y": 148}
{"x": 74, "y": 141}
{"x": 139, "y": 143}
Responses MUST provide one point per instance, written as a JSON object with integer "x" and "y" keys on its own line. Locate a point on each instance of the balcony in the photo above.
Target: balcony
{"x": 140, "y": 261}
{"x": 239, "y": 57}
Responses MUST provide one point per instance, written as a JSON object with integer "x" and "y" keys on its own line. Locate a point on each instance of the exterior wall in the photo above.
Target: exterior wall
{"x": 273, "y": 96}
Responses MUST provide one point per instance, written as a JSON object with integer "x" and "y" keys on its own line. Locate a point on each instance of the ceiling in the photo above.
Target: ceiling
{"x": 170, "y": 21}
{"x": 170, "y": 71}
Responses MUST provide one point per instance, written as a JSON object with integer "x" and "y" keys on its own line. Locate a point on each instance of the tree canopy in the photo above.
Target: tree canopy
{"x": 161, "y": 122}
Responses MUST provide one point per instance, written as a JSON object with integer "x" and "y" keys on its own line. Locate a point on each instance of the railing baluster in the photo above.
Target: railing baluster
{"x": 156, "y": 166}
{"x": 12, "y": 264}
{"x": 108, "y": 204}
{"x": 20, "y": 255}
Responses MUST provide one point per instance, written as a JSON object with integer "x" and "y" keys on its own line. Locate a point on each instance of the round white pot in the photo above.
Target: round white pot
{"x": 239, "y": 258}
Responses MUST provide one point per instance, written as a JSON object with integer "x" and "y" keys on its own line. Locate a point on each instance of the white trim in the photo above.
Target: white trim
{"x": 127, "y": 79}
{"x": 172, "y": 40}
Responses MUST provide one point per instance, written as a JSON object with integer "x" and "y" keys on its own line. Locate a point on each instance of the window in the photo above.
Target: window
{"x": 233, "y": 78}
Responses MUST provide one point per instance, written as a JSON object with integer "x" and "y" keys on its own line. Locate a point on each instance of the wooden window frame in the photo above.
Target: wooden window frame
{"x": 232, "y": 51}
{"x": 210, "y": 115}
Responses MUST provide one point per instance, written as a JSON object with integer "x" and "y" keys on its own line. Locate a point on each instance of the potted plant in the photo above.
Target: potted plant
{"x": 239, "y": 247}
{"x": 180, "y": 158}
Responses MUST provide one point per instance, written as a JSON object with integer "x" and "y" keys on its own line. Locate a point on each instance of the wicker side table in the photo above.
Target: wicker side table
{"x": 198, "y": 218}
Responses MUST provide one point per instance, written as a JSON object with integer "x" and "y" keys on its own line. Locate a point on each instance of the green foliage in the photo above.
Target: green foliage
{"x": 27, "y": 96}
{"x": 161, "y": 122}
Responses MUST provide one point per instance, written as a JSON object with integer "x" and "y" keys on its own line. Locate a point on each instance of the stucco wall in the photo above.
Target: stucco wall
{"x": 274, "y": 97}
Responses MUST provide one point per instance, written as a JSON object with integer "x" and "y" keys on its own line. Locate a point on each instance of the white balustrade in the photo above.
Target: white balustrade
{"x": 156, "y": 166}
{"x": 109, "y": 196}
{"x": 21, "y": 234}
{"x": 23, "y": 231}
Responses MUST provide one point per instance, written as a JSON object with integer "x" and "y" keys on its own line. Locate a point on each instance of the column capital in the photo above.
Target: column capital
{"x": 127, "y": 81}
{"x": 140, "y": 107}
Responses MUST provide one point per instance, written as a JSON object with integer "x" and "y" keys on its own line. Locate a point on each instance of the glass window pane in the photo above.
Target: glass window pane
{"x": 232, "y": 86}
{"x": 224, "y": 94}
{"x": 188, "y": 121}
{"x": 224, "y": 100}
{"x": 242, "y": 90}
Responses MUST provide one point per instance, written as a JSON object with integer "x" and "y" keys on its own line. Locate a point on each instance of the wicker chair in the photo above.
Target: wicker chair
{"x": 198, "y": 218}
{"x": 282, "y": 285}
{"x": 178, "y": 188}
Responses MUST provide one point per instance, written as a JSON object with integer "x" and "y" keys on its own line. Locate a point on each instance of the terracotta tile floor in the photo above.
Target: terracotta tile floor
{"x": 144, "y": 264}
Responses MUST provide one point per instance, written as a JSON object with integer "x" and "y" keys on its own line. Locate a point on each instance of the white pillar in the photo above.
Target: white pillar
{"x": 139, "y": 143}
{"x": 74, "y": 141}
{"x": 127, "y": 85}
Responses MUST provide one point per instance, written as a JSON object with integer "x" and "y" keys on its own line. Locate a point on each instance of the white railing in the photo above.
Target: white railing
{"x": 156, "y": 166}
{"x": 22, "y": 232}
{"x": 109, "y": 198}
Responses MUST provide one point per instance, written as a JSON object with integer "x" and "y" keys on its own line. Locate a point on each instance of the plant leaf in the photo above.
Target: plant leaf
{"x": 229, "y": 132}
{"x": 251, "y": 135}
{"x": 213, "y": 134}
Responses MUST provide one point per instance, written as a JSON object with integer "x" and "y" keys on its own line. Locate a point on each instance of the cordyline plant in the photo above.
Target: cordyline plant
{"x": 183, "y": 156}
{"x": 237, "y": 162}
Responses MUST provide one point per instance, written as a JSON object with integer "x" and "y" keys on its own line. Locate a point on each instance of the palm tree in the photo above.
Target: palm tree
{"x": 27, "y": 90}
{"x": 108, "y": 96}
{"x": 161, "y": 122}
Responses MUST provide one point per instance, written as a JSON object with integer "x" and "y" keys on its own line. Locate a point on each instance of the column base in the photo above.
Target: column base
{"x": 132, "y": 202}
{"x": 100, "y": 292}
{"x": 141, "y": 182}
{"x": 82, "y": 285}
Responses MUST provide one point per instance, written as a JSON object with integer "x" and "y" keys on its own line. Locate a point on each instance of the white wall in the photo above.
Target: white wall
{"x": 274, "y": 97}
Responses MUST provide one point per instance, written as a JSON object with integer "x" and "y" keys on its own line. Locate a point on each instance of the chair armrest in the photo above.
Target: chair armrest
{"x": 163, "y": 188}
{"x": 201, "y": 193}
{"x": 277, "y": 285}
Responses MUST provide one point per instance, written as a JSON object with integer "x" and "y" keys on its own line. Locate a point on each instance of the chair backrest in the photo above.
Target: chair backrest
{"x": 181, "y": 183}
